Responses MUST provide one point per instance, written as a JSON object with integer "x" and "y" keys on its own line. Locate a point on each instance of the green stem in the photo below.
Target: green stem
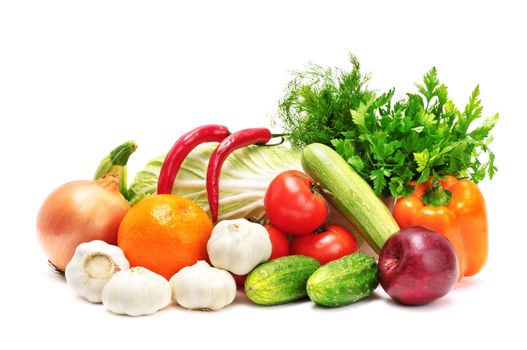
{"x": 436, "y": 195}
{"x": 122, "y": 153}
{"x": 115, "y": 162}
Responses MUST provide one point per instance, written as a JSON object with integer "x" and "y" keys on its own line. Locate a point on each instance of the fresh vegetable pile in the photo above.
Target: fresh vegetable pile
{"x": 307, "y": 220}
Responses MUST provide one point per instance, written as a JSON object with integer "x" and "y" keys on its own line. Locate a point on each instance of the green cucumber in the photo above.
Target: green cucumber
{"x": 343, "y": 281}
{"x": 280, "y": 280}
{"x": 349, "y": 194}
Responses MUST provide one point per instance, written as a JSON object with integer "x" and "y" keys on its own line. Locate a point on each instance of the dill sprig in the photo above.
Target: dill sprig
{"x": 388, "y": 142}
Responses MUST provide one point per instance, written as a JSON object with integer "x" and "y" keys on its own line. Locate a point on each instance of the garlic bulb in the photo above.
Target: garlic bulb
{"x": 202, "y": 286}
{"x": 92, "y": 266}
{"x": 136, "y": 292}
{"x": 238, "y": 245}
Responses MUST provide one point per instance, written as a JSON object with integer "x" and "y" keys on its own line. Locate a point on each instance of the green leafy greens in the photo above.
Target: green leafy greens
{"x": 388, "y": 142}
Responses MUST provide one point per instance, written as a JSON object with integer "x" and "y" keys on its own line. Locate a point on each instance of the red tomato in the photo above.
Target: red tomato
{"x": 335, "y": 242}
{"x": 292, "y": 205}
{"x": 280, "y": 247}
{"x": 239, "y": 279}
{"x": 279, "y": 242}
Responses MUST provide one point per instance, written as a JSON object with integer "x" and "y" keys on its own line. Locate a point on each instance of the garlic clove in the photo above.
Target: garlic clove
{"x": 92, "y": 266}
{"x": 136, "y": 292}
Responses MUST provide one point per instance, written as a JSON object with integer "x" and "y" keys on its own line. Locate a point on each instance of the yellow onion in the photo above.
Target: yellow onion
{"x": 78, "y": 212}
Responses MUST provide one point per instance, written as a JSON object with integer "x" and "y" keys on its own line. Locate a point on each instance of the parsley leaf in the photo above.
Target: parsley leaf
{"x": 388, "y": 141}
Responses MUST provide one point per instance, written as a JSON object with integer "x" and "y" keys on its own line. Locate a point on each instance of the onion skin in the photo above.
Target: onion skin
{"x": 78, "y": 212}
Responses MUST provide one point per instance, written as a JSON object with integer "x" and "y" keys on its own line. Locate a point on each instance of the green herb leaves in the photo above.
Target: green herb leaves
{"x": 389, "y": 142}
{"x": 317, "y": 103}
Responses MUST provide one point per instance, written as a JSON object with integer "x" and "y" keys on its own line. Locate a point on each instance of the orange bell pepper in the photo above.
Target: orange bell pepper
{"x": 454, "y": 208}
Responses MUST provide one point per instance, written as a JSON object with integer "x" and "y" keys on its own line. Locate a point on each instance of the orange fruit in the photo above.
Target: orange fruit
{"x": 164, "y": 233}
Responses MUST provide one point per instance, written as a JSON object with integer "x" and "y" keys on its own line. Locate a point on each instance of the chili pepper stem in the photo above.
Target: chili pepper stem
{"x": 436, "y": 195}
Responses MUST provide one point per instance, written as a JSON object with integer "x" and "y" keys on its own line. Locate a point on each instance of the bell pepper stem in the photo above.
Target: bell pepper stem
{"x": 436, "y": 195}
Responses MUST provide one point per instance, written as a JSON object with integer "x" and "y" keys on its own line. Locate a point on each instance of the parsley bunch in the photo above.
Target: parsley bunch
{"x": 388, "y": 142}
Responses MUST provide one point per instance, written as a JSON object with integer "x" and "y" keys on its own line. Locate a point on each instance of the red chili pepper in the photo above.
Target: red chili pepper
{"x": 231, "y": 143}
{"x": 180, "y": 150}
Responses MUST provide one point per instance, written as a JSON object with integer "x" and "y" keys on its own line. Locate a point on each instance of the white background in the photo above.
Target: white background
{"x": 78, "y": 78}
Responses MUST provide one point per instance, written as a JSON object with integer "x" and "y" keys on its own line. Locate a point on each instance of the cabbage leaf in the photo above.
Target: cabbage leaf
{"x": 245, "y": 176}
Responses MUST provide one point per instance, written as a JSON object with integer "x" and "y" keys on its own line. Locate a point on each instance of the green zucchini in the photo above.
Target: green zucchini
{"x": 280, "y": 280}
{"x": 349, "y": 194}
{"x": 343, "y": 281}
